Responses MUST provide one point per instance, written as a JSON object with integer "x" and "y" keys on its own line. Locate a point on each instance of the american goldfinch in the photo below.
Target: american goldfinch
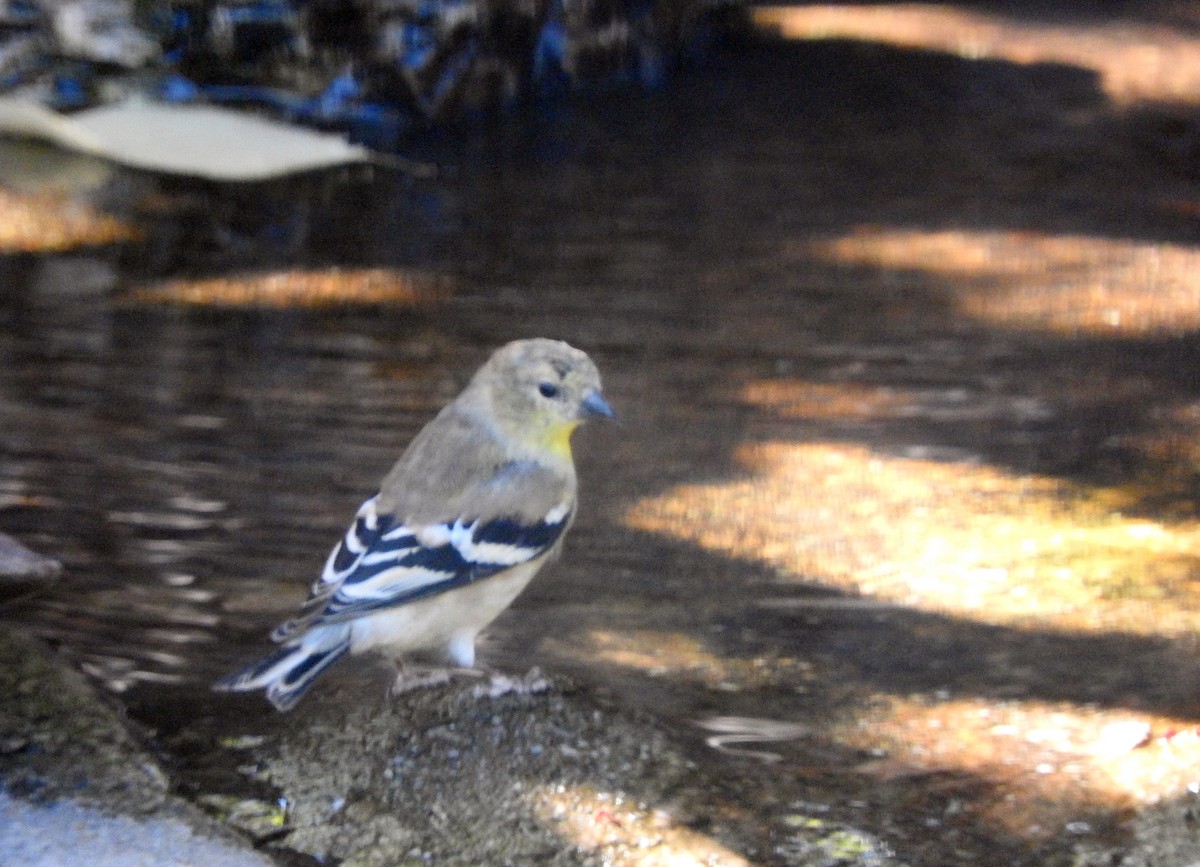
{"x": 476, "y": 504}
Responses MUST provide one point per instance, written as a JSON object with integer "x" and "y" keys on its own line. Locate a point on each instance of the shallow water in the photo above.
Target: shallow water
{"x": 190, "y": 436}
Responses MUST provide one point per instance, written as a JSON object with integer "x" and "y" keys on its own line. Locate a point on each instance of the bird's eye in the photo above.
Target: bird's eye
{"x": 548, "y": 389}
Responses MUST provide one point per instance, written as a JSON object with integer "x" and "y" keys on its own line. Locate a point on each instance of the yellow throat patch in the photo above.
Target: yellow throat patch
{"x": 558, "y": 439}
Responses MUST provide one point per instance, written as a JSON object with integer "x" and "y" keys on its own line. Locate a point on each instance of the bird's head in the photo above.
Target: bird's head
{"x": 540, "y": 390}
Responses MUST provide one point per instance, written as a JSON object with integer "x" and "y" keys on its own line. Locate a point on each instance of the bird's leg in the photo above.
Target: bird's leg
{"x": 462, "y": 650}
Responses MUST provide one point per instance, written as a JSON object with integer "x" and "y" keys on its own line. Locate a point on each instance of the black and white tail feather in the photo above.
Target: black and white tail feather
{"x": 287, "y": 673}
{"x": 381, "y": 564}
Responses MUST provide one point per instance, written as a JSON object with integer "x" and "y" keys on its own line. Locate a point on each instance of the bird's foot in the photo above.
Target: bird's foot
{"x": 410, "y": 679}
{"x": 531, "y": 682}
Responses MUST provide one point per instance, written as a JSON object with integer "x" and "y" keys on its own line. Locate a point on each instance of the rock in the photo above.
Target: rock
{"x": 457, "y": 776}
{"x": 73, "y": 778}
{"x": 34, "y": 835}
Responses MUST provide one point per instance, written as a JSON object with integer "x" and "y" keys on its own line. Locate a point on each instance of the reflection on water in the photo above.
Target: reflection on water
{"x": 334, "y": 287}
{"x": 32, "y": 167}
{"x": 729, "y": 730}
{"x": 188, "y": 430}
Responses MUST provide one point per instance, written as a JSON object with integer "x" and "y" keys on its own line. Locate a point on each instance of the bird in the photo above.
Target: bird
{"x": 477, "y": 503}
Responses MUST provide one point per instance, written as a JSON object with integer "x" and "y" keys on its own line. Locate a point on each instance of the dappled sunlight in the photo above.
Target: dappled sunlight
{"x": 623, "y": 832}
{"x": 1049, "y": 765}
{"x": 653, "y": 652}
{"x": 1133, "y": 60}
{"x": 1063, "y": 284}
{"x": 981, "y": 544}
{"x": 331, "y": 287}
{"x": 53, "y": 223}
{"x": 680, "y": 656}
{"x": 949, "y": 537}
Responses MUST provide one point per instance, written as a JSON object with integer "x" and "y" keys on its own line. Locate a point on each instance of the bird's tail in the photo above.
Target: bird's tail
{"x": 287, "y": 673}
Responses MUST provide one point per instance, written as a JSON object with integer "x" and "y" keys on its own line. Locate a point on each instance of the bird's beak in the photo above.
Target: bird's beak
{"x": 595, "y": 406}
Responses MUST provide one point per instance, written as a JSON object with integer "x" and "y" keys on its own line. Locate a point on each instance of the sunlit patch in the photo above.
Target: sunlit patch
{"x": 957, "y": 536}
{"x": 680, "y": 656}
{"x": 654, "y": 652}
{"x": 620, "y": 831}
{"x": 1047, "y": 765}
{"x": 47, "y": 223}
{"x": 1063, "y": 284}
{"x": 951, "y": 537}
{"x": 332, "y": 287}
{"x": 1134, "y": 61}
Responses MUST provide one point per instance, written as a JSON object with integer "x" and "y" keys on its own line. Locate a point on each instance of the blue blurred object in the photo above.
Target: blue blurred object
{"x": 550, "y": 51}
{"x": 172, "y": 26}
{"x": 338, "y": 96}
{"x": 381, "y": 67}
{"x": 20, "y": 13}
{"x": 339, "y": 106}
{"x": 176, "y": 88}
{"x": 68, "y": 91}
{"x": 418, "y": 44}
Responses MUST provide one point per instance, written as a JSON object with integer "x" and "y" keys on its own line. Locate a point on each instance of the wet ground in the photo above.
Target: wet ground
{"x": 900, "y": 527}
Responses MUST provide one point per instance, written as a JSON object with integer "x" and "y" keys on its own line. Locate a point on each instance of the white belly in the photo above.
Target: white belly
{"x": 436, "y": 623}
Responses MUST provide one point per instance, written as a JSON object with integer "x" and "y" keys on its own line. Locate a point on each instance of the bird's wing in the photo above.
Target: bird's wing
{"x": 383, "y": 562}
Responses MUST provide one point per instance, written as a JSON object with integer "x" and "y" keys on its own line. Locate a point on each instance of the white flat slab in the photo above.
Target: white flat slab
{"x": 197, "y": 140}
{"x": 63, "y": 833}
